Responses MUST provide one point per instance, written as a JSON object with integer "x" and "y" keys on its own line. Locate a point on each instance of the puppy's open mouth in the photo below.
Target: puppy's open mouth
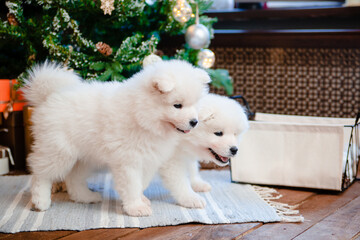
{"x": 180, "y": 130}
{"x": 183, "y": 131}
{"x": 219, "y": 157}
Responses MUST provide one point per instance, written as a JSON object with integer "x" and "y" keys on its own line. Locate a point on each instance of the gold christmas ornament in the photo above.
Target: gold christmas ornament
{"x": 107, "y": 6}
{"x": 206, "y": 58}
{"x": 104, "y": 48}
{"x": 182, "y": 11}
{"x": 12, "y": 20}
{"x": 150, "y": 59}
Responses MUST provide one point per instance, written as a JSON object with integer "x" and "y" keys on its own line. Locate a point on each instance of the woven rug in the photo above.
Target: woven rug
{"x": 226, "y": 203}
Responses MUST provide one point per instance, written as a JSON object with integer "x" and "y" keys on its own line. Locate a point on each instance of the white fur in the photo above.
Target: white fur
{"x": 60, "y": 79}
{"x": 352, "y": 3}
{"x": 181, "y": 174}
{"x": 129, "y": 127}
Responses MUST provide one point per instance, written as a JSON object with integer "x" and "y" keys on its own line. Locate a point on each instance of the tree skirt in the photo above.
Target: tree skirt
{"x": 226, "y": 203}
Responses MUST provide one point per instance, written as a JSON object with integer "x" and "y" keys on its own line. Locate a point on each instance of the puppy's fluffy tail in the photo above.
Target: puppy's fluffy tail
{"x": 46, "y": 78}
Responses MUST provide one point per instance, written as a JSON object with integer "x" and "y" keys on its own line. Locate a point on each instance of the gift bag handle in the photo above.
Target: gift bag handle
{"x": 346, "y": 181}
{"x": 355, "y": 128}
{"x": 249, "y": 113}
{"x": 6, "y": 149}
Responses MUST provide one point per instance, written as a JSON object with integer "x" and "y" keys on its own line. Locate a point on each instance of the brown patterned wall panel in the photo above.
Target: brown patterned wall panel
{"x": 297, "y": 81}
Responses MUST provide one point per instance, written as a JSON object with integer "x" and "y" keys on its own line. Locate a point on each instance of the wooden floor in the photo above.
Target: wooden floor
{"x": 327, "y": 216}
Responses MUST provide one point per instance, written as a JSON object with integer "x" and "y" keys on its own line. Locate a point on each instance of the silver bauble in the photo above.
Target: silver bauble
{"x": 197, "y": 36}
{"x": 206, "y": 58}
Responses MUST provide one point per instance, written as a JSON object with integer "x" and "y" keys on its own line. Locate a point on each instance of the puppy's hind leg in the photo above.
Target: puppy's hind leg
{"x": 46, "y": 168}
{"x": 41, "y": 193}
{"x": 77, "y": 186}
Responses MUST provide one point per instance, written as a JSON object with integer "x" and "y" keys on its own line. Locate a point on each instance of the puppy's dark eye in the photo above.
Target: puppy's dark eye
{"x": 219, "y": 134}
{"x": 178, "y": 105}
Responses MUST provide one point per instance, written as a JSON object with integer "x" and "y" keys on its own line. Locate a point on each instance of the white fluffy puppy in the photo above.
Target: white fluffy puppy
{"x": 221, "y": 123}
{"x": 130, "y": 127}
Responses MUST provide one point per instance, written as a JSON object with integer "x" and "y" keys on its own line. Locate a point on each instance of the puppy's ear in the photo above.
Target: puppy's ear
{"x": 163, "y": 85}
{"x": 203, "y": 76}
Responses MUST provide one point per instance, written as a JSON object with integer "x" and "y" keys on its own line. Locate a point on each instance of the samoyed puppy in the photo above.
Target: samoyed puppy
{"x": 130, "y": 127}
{"x": 222, "y": 121}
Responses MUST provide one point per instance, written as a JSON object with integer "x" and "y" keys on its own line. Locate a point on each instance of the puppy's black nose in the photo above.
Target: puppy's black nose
{"x": 233, "y": 150}
{"x": 193, "y": 122}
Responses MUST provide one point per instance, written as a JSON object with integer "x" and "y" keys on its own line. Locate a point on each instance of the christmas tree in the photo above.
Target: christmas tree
{"x": 106, "y": 39}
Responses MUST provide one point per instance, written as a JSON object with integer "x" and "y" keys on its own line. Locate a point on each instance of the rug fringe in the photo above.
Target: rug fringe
{"x": 287, "y": 212}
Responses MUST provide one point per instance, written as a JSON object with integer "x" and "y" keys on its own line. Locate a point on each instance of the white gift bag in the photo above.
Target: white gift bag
{"x": 4, "y": 160}
{"x": 297, "y": 151}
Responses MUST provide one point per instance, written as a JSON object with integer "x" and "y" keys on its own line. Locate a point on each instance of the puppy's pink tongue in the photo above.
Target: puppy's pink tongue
{"x": 224, "y": 159}
{"x": 186, "y": 131}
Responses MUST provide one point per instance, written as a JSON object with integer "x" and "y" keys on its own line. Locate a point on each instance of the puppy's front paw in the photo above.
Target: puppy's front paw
{"x": 192, "y": 201}
{"x": 138, "y": 209}
{"x": 146, "y": 200}
{"x": 40, "y": 205}
{"x": 201, "y": 186}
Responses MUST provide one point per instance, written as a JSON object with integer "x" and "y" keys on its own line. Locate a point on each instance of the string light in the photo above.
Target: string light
{"x": 206, "y": 58}
{"x": 182, "y": 11}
